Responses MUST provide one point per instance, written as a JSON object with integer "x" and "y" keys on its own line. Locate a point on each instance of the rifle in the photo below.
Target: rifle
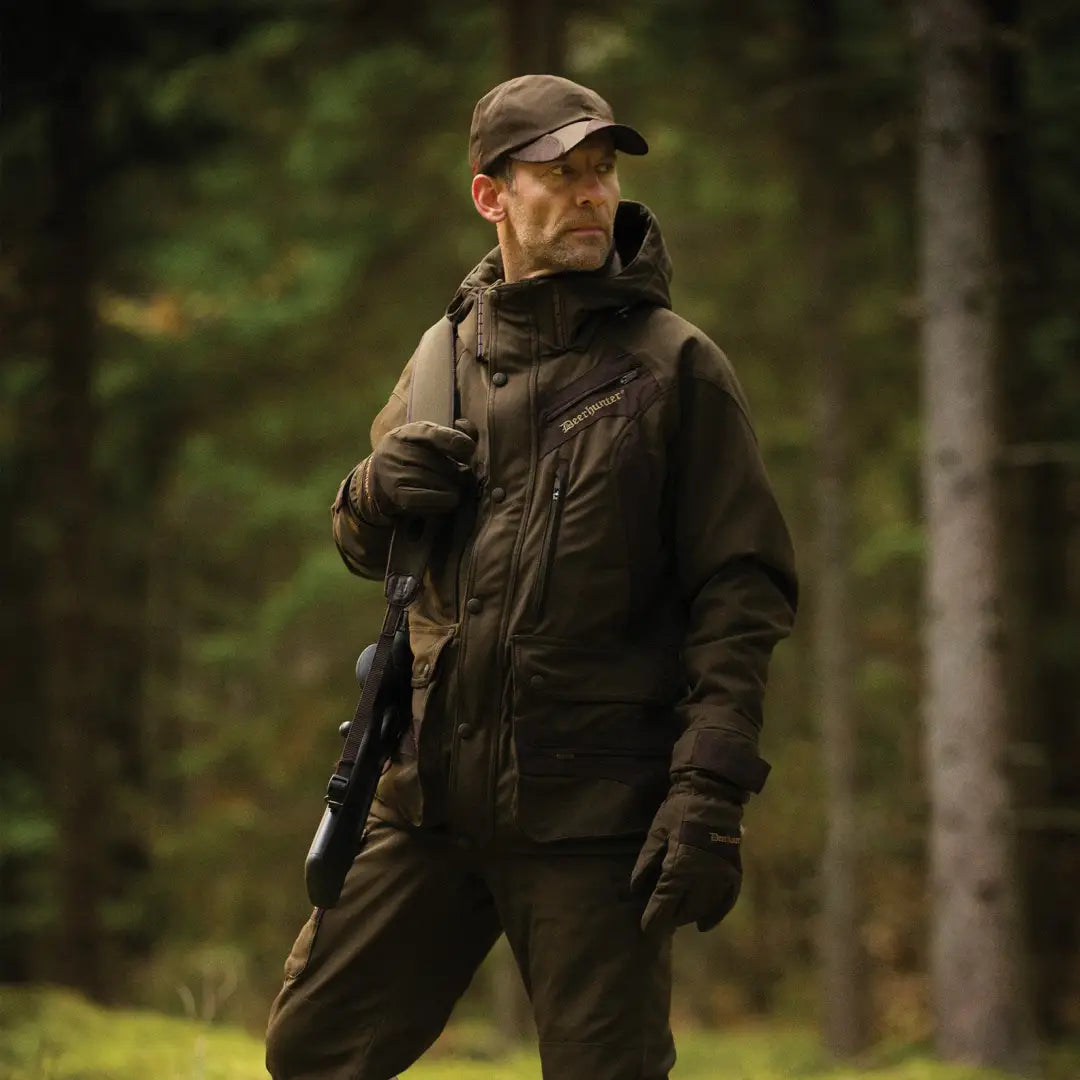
{"x": 351, "y": 789}
{"x": 384, "y": 710}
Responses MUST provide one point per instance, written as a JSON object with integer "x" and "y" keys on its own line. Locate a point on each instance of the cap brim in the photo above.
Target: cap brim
{"x": 562, "y": 140}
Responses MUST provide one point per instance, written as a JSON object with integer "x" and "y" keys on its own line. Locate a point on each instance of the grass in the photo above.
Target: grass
{"x": 56, "y": 1035}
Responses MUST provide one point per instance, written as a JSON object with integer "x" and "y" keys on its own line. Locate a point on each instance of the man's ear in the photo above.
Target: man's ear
{"x": 486, "y": 197}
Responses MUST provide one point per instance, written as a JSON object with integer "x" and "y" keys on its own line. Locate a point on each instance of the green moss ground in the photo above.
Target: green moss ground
{"x": 55, "y": 1035}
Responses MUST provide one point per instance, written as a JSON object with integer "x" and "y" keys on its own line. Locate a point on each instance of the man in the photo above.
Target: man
{"x": 590, "y": 646}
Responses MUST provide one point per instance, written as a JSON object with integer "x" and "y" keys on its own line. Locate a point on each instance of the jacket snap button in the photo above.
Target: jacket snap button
{"x": 536, "y": 680}
{"x": 499, "y": 378}
{"x": 475, "y": 605}
{"x": 498, "y": 494}
{"x": 465, "y": 731}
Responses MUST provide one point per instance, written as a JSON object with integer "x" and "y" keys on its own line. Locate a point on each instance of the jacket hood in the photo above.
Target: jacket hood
{"x": 638, "y": 272}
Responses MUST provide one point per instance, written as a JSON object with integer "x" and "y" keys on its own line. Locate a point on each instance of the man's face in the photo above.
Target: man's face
{"x": 560, "y": 214}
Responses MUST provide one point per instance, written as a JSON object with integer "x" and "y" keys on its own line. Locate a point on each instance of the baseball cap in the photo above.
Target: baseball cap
{"x": 540, "y": 118}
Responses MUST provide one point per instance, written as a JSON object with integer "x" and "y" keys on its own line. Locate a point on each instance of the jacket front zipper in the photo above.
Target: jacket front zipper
{"x": 551, "y": 533}
{"x": 616, "y": 381}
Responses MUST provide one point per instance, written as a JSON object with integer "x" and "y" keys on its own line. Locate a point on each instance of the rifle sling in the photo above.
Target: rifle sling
{"x": 431, "y": 397}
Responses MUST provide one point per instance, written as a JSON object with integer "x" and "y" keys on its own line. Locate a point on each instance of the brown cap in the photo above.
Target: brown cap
{"x": 539, "y": 118}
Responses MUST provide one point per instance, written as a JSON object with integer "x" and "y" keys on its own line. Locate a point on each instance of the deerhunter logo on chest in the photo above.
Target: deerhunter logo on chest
{"x": 590, "y": 410}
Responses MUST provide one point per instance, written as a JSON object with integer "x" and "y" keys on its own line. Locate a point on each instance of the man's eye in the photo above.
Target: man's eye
{"x": 605, "y": 167}
{"x": 560, "y": 170}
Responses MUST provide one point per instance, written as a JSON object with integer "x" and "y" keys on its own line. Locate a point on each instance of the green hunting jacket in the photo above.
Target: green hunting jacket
{"x": 616, "y": 579}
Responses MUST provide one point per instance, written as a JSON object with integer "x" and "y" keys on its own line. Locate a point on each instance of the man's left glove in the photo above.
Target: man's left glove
{"x": 691, "y": 860}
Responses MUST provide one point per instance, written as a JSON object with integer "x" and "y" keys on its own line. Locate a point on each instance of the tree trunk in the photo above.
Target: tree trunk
{"x": 979, "y": 993}
{"x": 845, "y": 1015}
{"x": 1052, "y": 816}
{"x": 535, "y": 37}
{"x": 1040, "y": 537}
{"x": 73, "y": 676}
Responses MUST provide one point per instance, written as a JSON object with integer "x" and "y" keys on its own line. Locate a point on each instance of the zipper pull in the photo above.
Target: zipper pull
{"x": 629, "y": 377}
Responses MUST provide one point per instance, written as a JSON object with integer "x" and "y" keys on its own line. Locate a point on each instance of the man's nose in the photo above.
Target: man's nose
{"x": 590, "y": 189}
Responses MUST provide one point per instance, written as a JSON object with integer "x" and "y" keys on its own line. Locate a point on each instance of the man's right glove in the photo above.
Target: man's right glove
{"x": 418, "y": 468}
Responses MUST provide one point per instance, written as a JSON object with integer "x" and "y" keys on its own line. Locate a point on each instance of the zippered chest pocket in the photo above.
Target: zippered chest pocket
{"x": 621, "y": 386}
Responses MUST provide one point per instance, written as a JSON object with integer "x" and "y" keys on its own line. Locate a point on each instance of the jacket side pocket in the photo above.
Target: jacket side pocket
{"x": 401, "y": 788}
{"x": 593, "y": 732}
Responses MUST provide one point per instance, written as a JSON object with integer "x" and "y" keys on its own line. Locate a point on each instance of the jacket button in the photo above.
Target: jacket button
{"x": 474, "y": 605}
{"x": 536, "y": 680}
{"x": 499, "y": 378}
{"x": 465, "y": 731}
{"x": 498, "y": 494}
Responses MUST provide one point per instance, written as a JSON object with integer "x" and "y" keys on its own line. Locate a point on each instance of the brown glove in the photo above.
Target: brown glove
{"x": 690, "y": 865}
{"x": 417, "y": 468}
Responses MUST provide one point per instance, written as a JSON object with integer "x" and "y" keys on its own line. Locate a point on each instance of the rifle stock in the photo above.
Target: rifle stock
{"x": 339, "y": 835}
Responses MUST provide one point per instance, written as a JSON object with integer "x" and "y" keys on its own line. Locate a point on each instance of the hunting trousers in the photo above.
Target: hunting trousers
{"x": 370, "y": 983}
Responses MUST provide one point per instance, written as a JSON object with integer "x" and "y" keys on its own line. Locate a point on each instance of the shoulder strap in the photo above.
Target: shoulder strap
{"x": 430, "y": 398}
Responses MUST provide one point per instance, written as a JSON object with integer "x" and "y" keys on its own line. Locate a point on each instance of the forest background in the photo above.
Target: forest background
{"x": 224, "y": 228}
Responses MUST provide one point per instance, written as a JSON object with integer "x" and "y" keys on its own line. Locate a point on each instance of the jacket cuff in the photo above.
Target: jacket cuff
{"x": 359, "y": 493}
{"x": 722, "y": 756}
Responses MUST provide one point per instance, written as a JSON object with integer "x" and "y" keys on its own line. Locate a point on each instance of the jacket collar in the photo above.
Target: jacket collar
{"x": 560, "y": 308}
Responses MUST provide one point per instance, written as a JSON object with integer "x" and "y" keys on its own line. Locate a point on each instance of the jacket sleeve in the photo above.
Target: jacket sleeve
{"x": 366, "y": 547}
{"x": 736, "y": 573}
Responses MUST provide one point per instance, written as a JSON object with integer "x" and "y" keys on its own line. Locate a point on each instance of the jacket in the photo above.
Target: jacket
{"x": 602, "y": 608}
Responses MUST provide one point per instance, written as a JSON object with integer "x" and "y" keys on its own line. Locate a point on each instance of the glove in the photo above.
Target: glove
{"x": 417, "y": 468}
{"x": 690, "y": 862}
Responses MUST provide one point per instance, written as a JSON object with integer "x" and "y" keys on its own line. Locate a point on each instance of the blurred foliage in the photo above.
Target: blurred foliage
{"x": 280, "y": 206}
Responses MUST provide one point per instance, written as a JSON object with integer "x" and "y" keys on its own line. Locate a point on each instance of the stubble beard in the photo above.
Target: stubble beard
{"x": 564, "y": 250}
{"x": 580, "y": 253}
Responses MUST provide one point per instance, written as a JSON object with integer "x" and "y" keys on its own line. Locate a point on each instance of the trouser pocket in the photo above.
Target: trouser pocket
{"x": 300, "y": 954}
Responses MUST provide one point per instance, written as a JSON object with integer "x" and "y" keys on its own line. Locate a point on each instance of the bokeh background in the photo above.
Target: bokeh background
{"x": 224, "y": 227}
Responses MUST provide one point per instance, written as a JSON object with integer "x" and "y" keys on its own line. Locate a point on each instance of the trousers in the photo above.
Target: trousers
{"x": 370, "y": 983}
